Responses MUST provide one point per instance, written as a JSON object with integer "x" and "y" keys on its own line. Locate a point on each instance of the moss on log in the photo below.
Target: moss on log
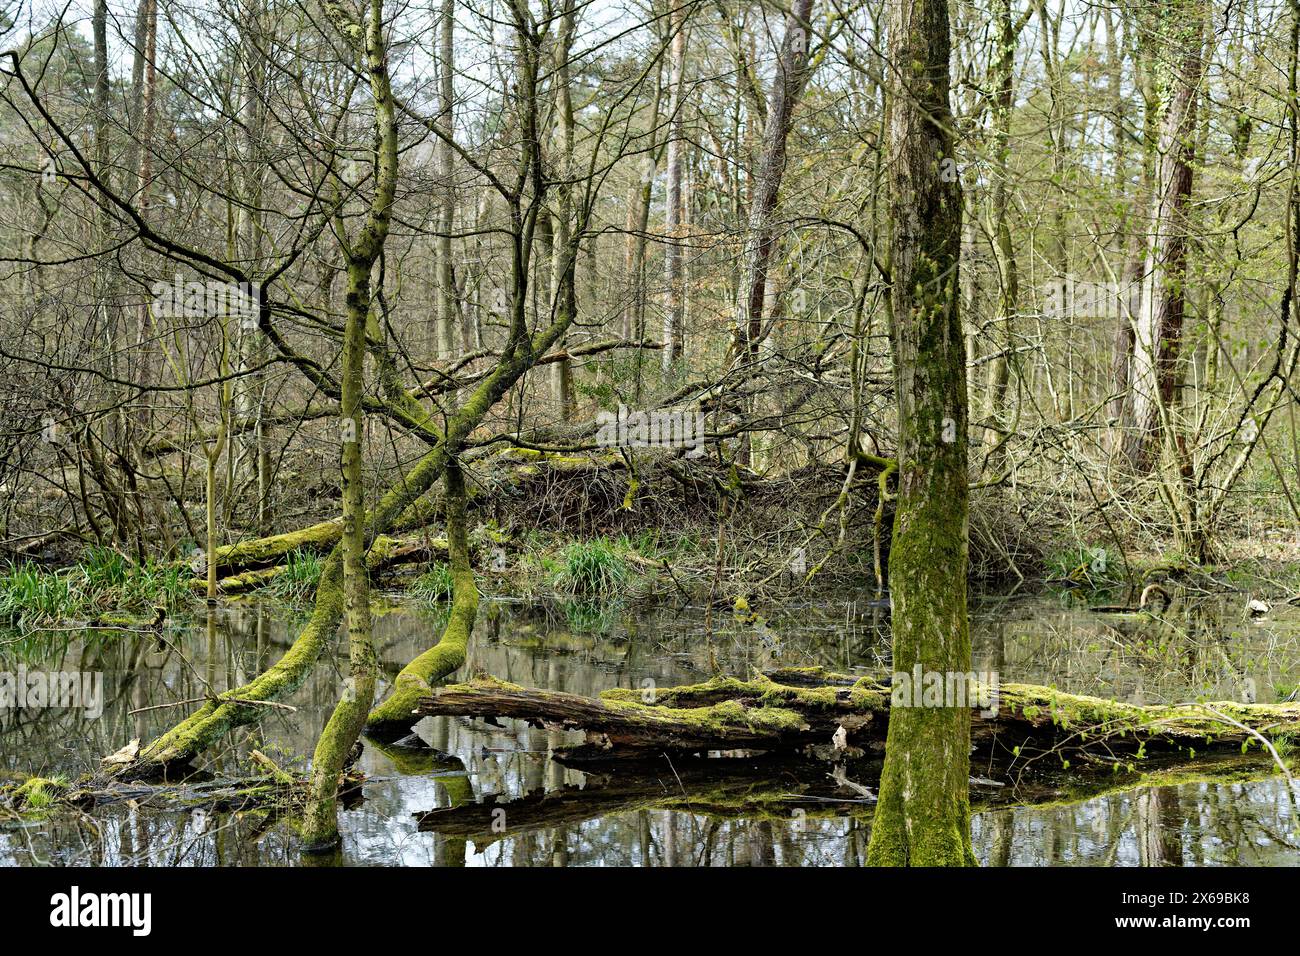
{"x": 786, "y": 710}
{"x": 276, "y": 788}
{"x": 396, "y": 714}
{"x": 722, "y": 714}
{"x": 261, "y": 553}
{"x": 384, "y": 553}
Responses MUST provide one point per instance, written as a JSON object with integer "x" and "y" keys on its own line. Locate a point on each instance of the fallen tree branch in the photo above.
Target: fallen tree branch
{"x": 385, "y": 553}
{"x": 793, "y": 709}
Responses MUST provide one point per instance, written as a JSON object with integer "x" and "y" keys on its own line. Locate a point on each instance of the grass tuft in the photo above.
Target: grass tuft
{"x": 300, "y": 577}
{"x": 433, "y": 585}
{"x": 593, "y": 568}
{"x": 32, "y": 596}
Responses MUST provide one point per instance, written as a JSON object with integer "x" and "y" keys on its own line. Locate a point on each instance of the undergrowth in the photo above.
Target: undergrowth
{"x": 105, "y": 580}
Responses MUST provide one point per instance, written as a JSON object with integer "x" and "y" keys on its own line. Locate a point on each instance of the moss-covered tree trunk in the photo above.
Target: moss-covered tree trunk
{"x": 320, "y": 827}
{"x": 320, "y": 823}
{"x": 923, "y": 818}
{"x": 397, "y": 713}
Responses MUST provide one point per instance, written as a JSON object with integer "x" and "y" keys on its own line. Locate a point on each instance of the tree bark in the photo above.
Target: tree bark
{"x": 1160, "y": 323}
{"x": 1009, "y": 277}
{"x": 923, "y": 817}
{"x": 320, "y": 820}
{"x": 790, "y": 709}
{"x": 673, "y": 214}
{"x": 447, "y": 188}
{"x": 397, "y": 713}
{"x": 787, "y": 87}
{"x": 564, "y": 265}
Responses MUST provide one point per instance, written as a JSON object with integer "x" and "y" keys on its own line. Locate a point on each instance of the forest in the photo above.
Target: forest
{"x": 673, "y": 433}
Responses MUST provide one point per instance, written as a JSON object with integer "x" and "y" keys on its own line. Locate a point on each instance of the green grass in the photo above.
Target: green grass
{"x": 32, "y": 596}
{"x": 1092, "y": 566}
{"x": 300, "y": 577}
{"x": 28, "y": 593}
{"x": 433, "y": 585}
{"x": 593, "y": 568}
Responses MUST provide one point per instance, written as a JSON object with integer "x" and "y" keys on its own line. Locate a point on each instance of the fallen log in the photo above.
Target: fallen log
{"x": 792, "y": 710}
{"x": 276, "y": 789}
{"x": 262, "y": 553}
{"x": 384, "y": 553}
{"x": 509, "y": 468}
{"x": 724, "y": 714}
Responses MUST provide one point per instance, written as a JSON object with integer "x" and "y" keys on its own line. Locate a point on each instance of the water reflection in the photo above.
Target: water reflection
{"x": 668, "y": 816}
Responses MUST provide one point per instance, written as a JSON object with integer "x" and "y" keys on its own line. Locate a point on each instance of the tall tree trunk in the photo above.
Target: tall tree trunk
{"x": 791, "y": 75}
{"x": 320, "y": 823}
{"x": 1160, "y": 323}
{"x": 674, "y": 310}
{"x": 923, "y": 817}
{"x": 1137, "y": 33}
{"x": 756, "y": 258}
{"x": 564, "y": 268}
{"x": 99, "y": 35}
{"x": 638, "y": 219}
{"x": 251, "y": 397}
{"x": 148, "y": 33}
{"x": 1009, "y": 277}
{"x": 447, "y": 189}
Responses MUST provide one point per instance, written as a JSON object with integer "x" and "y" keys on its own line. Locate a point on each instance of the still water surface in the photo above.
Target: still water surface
{"x": 519, "y": 807}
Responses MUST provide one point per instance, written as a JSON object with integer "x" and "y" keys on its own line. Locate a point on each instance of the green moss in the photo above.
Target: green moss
{"x": 416, "y": 679}
{"x": 38, "y": 793}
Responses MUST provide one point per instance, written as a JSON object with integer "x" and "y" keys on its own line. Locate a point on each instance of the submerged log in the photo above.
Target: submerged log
{"x": 276, "y": 790}
{"x": 779, "y": 788}
{"x": 791, "y": 710}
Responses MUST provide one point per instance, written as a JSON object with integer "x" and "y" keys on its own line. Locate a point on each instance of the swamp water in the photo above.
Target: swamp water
{"x": 515, "y": 806}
